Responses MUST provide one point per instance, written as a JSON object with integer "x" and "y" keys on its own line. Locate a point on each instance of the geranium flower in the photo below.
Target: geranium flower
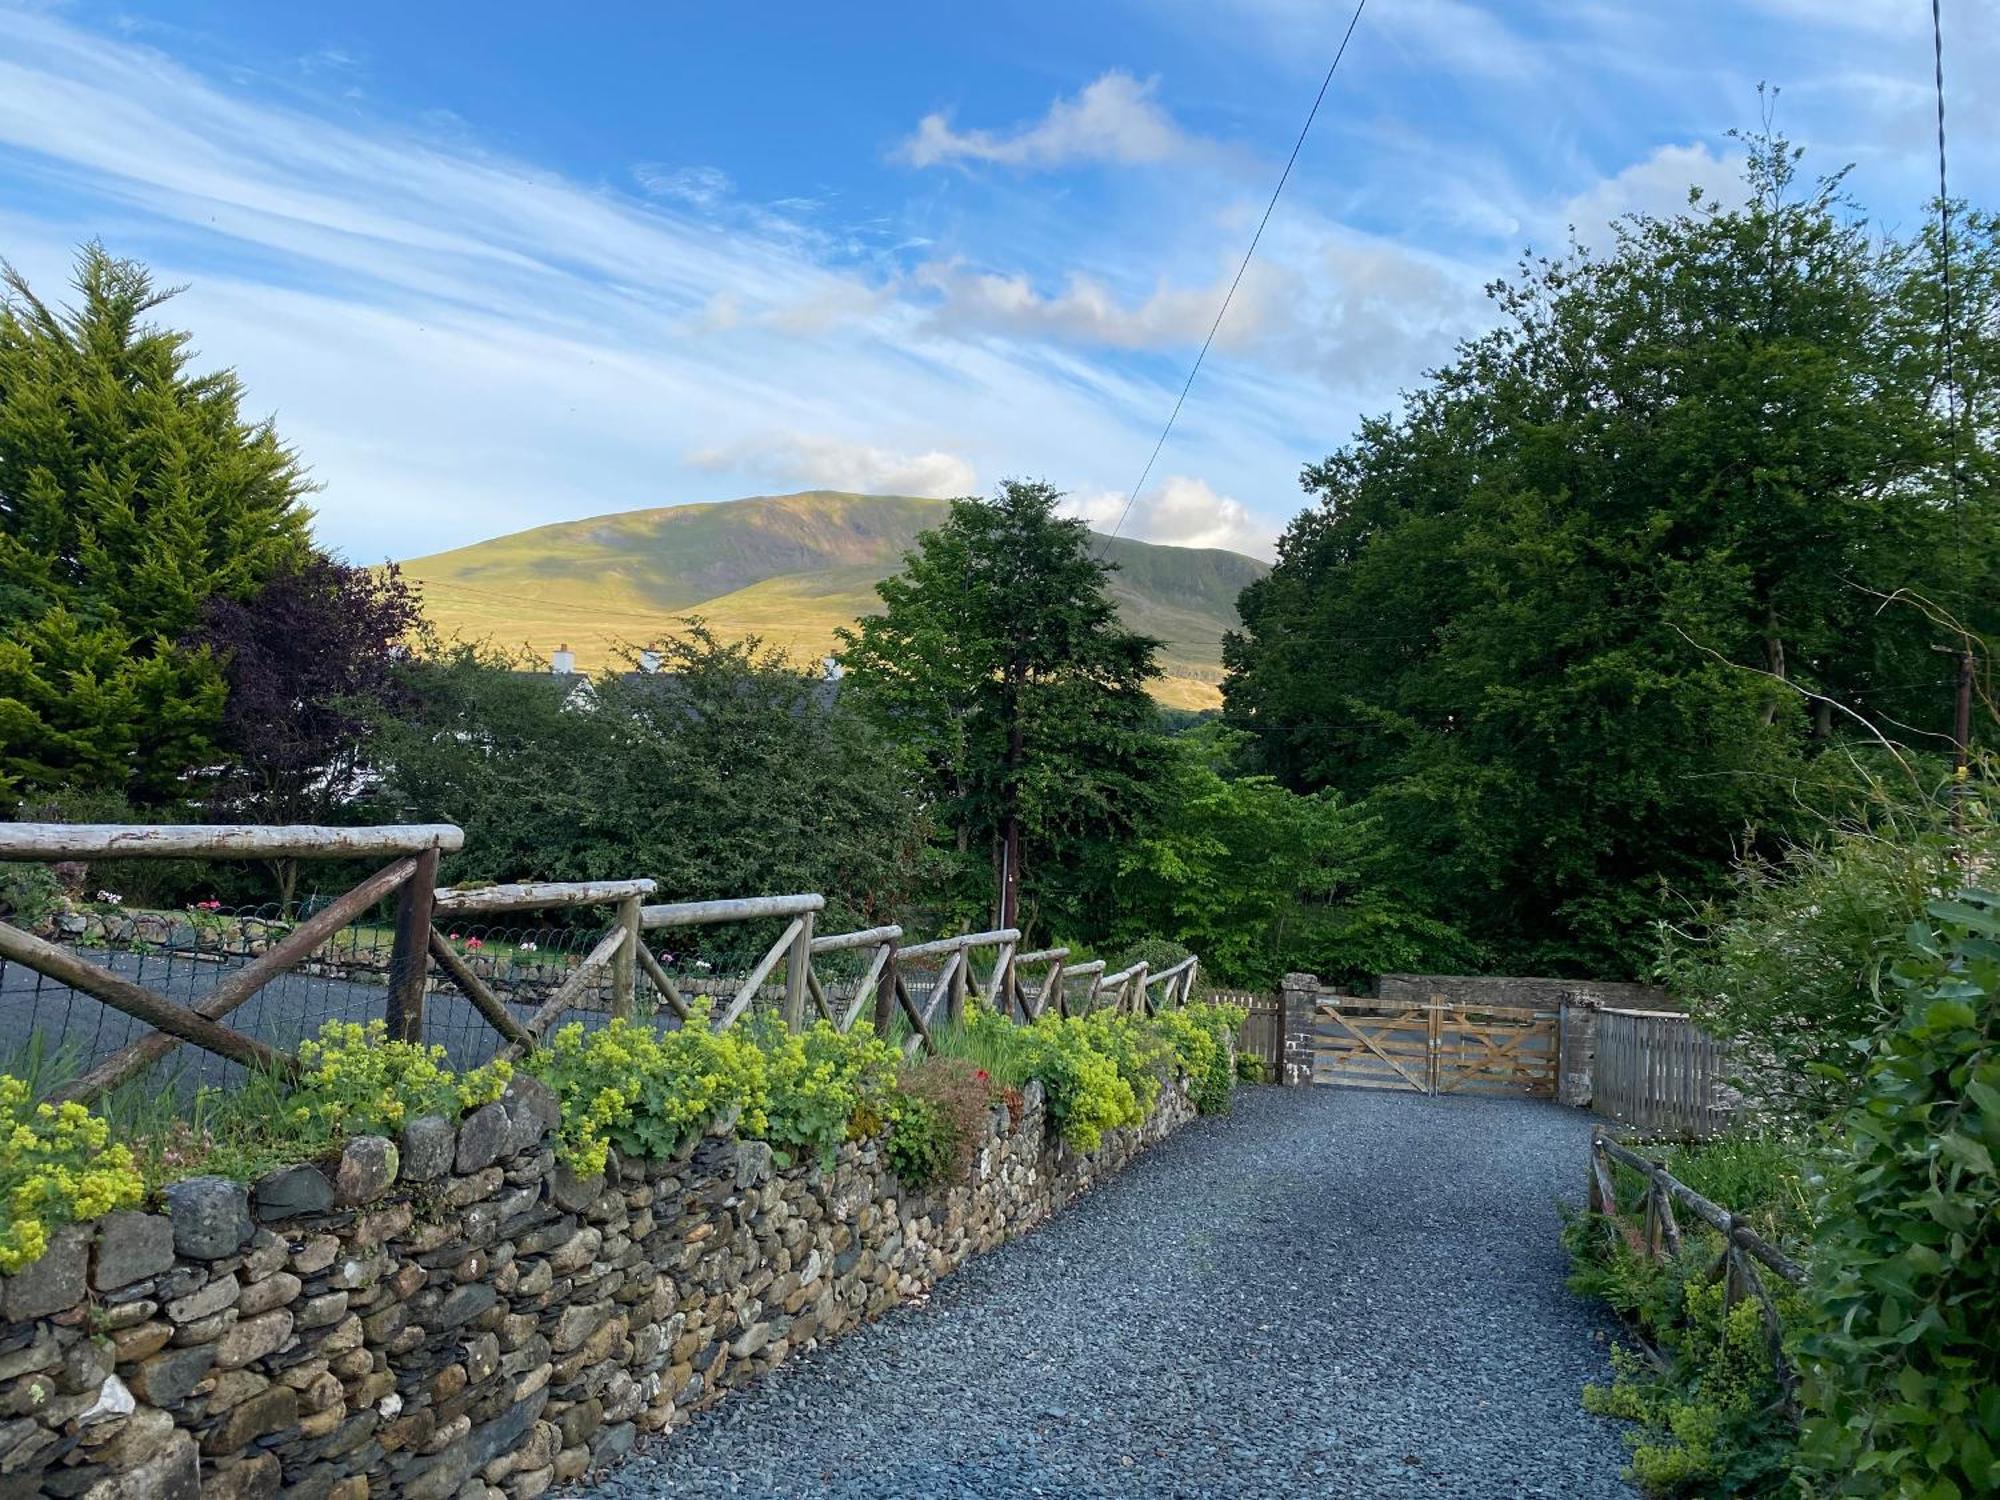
{"x": 475, "y": 942}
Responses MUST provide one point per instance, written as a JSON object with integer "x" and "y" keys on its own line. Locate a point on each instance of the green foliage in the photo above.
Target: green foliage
{"x": 1516, "y": 627}
{"x": 28, "y": 892}
{"x": 1262, "y": 881}
{"x": 1701, "y": 1387}
{"x": 354, "y": 1081}
{"x": 815, "y": 1082}
{"x": 1201, "y": 1037}
{"x": 1903, "y": 1373}
{"x": 728, "y": 770}
{"x": 923, "y": 1143}
{"x": 999, "y": 667}
{"x": 1102, "y": 1071}
{"x": 649, "y": 1093}
{"x": 1250, "y": 1068}
{"x": 58, "y": 1165}
{"x": 132, "y": 491}
{"x": 1143, "y": 1055}
{"x": 1708, "y": 1423}
{"x": 938, "y": 1119}
{"x": 1793, "y": 971}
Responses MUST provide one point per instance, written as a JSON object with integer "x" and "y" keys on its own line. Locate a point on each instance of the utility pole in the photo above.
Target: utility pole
{"x": 1961, "y": 732}
{"x": 1961, "y": 719}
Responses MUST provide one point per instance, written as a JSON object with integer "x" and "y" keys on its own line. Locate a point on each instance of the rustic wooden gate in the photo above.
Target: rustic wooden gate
{"x": 1434, "y": 1047}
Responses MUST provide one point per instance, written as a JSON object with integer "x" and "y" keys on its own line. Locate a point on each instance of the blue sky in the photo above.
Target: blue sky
{"x": 492, "y": 265}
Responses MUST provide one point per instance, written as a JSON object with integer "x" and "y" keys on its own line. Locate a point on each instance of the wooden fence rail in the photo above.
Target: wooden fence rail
{"x": 620, "y": 952}
{"x": 408, "y": 877}
{"x": 1657, "y": 1071}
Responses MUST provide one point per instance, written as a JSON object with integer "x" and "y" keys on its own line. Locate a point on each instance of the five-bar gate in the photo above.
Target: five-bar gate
{"x": 1435, "y": 1046}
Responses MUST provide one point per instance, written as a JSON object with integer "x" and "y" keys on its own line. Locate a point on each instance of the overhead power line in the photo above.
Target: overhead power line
{"x": 1222, "y": 311}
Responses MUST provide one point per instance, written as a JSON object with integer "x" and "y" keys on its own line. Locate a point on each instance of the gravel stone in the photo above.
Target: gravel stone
{"x": 1330, "y": 1292}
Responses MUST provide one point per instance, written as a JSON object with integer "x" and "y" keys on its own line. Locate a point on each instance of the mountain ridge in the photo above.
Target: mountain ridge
{"x": 789, "y": 568}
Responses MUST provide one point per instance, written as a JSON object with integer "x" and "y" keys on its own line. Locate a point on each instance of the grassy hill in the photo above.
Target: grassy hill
{"x": 790, "y": 568}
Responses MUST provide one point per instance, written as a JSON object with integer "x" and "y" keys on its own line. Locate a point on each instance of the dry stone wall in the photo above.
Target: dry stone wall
{"x": 455, "y": 1315}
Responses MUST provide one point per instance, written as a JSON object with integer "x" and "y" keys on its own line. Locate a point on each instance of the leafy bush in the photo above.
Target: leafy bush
{"x": 1087, "y": 1095}
{"x": 353, "y": 1081}
{"x": 1202, "y": 1036}
{"x": 1104, "y": 1070}
{"x": 649, "y": 1093}
{"x": 1709, "y": 1421}
{"x": 58, "y": 1165}
{"x": 1792, "y": 974}
{"x": 923, "y": 1143}
{"x": 1903, "y": 1379}
{"x": 1704, "y": 1393}
{"x": 815, "y": 1082}
{"x": 938, "y": 1120}
{"x": 28, "y": 892}
{"x": 1250, "y": 1068}
{"x": 1143, "y": 1055}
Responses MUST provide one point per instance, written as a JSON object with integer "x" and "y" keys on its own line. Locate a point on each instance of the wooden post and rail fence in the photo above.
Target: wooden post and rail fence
{"x": 884, "y": 990}
{"x": 1658, "y": 1236}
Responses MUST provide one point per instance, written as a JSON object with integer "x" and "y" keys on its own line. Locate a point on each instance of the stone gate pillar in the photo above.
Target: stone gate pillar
{"x": 1295, "y": 1027}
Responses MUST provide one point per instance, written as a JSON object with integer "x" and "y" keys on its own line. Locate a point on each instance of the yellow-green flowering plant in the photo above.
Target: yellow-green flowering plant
{"x": 353, "y": 1080}
{"x": 58, "y": 1165}
{"x": 648, "y": 1093}
{"x": 818, "y": 1080}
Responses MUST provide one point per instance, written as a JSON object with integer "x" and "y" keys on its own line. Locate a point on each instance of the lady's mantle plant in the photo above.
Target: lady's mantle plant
{"x": 58, "y": 1165}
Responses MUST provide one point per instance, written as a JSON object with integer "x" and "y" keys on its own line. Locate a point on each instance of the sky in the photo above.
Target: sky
{"x": 491, "y": 265}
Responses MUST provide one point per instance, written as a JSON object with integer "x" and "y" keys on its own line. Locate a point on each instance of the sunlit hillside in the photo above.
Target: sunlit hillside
{"x": 790, "y": 568}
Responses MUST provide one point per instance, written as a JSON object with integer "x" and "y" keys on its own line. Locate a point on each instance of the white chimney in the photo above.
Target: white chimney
{"x": 649, "y": 661}
{"x": 563, "y": 662}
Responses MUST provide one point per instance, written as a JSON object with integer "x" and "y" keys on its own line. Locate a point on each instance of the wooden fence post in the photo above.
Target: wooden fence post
{"x": 625, "y": 964}
{"x": 798, "y": 963}
{"x": 885, "y": 994}
{"x": 410, "y": 958}
{"x": 955, "y": 991}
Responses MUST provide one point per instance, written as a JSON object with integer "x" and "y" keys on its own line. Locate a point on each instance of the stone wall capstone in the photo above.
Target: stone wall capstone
{"x": 455, "y": 1316}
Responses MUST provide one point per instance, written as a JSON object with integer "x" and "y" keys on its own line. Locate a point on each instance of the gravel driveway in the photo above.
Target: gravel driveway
{"x": 1331, "y": 1292}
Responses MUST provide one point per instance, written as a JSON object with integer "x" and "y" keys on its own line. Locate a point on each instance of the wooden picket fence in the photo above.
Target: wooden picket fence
{"x": 927, "y": 983}
{"x": 1658, "y": 1072}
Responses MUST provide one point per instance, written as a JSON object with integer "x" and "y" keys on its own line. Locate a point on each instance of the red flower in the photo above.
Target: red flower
{"x": 475, "y": 942}
{"x": 983, "y": 1076}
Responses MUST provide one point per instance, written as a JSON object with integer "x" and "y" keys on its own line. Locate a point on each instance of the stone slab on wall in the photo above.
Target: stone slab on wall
{"x": 453, "y": 1316}
{"x": 1547, "y": 994}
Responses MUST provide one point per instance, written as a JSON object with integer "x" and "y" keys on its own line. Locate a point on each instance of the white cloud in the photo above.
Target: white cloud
{"x": 1658, "y": 185}
{"x": 701, "y": 186}
{"x": 1114, "y": 119}
{"x": 1180, "y": 512}
{"x": 828, "y": 463}
{"x": 1318, "y": 297}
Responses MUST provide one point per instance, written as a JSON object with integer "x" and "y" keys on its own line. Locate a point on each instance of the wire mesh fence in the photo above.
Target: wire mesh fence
{"x": 54, "y": 1031}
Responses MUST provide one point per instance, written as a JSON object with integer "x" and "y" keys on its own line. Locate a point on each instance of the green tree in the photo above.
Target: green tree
{"x": 1260, "y": 881}
{"x": 132, "y": 491}
{"x": 999, "y": 665}
{"x": 1571, "y": 625}
{"x": 728, "y": 772}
